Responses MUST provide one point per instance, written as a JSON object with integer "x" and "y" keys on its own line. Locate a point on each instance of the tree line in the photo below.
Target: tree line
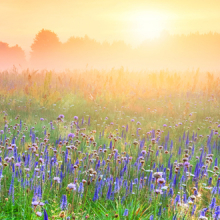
{"x": 167, "y": 51}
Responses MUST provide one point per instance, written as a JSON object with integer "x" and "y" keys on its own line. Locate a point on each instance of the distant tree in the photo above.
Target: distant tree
{"x": 11, "y": 56}
{"x": 45, "y": 49}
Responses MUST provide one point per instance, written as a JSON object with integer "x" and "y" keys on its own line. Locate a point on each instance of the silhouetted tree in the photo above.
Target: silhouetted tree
{"x": 11, "y": 56}
{"x": 45, "y": 49}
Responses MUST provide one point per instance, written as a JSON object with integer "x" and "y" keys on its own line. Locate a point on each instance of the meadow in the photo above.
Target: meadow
{"x": 109, "y": 145}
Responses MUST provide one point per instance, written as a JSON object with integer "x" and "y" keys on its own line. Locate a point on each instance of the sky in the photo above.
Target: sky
{"x": 131, "y": 21}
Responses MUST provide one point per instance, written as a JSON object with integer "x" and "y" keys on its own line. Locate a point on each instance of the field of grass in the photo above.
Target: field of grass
{"x": 106, "y": 145}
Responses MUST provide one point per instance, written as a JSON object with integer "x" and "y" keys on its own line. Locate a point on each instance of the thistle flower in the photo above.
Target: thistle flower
{"x": 38, "y": 214}
{"x": 158, "y": 191}
{"x": 18, "y": 164}
{"x": 56, "y": 179}
{"x": 157, "y": 175}
{"x": 35, "y": 203}
{"x": 41, "y": 204}
{"x": 71, "y": 135}
{"x": 71, "y": 186}
{"x": 161, "y": 180}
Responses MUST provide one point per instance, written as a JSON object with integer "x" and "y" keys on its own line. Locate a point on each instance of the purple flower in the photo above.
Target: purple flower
{"x": 96, "y": 195}
{"x": 72, "y": 186}
{"x": 38, "y": 214}
{"x": 18, "y": 164}
{"x": 76, "y": 117}
{"x": 143, "y": 152}
{"x": 35, "y": 203}
{"x": 71, "y": 135}
{"x": 41, "y": 160}
{"x": 42, "y": 119}
{"x": 161, "y": 180}
{"x": 157, "y": 175}
{"x": 158, "y": 191}
{"x": 45, "y": 215}
{"x": 125, "y": 212}
{"x": 63, "y": 204}
{"x": 56, "y": 179}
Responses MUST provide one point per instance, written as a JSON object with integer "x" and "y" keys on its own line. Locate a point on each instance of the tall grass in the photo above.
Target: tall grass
{"x": 126, "y": 145}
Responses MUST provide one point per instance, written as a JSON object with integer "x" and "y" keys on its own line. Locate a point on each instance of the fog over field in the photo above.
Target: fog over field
{"x": 109, "y": 109}
{"x": 173, "y": 52}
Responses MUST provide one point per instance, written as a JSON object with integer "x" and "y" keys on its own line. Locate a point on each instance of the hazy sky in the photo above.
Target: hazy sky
{"x": 132, "y": 21}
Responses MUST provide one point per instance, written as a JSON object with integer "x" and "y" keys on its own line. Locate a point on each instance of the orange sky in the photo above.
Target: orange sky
{"x": 21, "y": 20}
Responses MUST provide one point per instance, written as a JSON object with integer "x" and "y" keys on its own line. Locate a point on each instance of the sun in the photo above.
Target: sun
{"x": 147, "y": 24}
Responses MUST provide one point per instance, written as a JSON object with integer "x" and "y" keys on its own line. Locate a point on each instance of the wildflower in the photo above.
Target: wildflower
{"x": 202, "y": 218}
{"x": 160, "y": 147}
{"x": 76, "y": 118}
{"x": 56, "y": 179}
{"x": 38, "y": 214}
{"x": 161, "y": 180}
{"x": 213, "y": 202}
{"x": 96, "y": 195}
{"x": 18, "y": 164}
{"x": 35, "y": 203}
{"x": 151, "y": 217}
{"x": 109, "y": 191}
{"x": 45, "y": 215}
{"x": 125, "y": 212}
{"x": 153, "y": 140}
{"x": 71, "y": 135}
{"x": 63, "y": 204}
{"x": 62, "y": 214}
{"x": 158, "y": 191}
{"x": 157, "y": 175}
{"x": 71, "y": 186}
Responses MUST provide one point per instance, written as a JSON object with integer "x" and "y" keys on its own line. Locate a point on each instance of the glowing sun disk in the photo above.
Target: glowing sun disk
{"x": 147, "y": 24}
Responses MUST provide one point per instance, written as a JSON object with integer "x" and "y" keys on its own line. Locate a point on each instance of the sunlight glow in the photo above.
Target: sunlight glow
{"x": 147, "y": 24}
